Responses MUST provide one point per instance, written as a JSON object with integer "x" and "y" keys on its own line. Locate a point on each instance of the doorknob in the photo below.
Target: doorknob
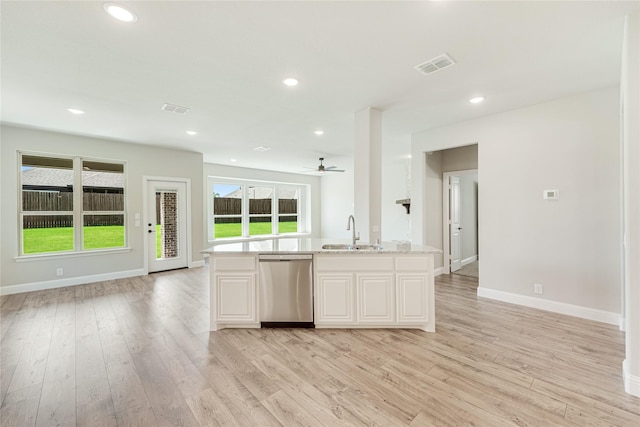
{"x": 150, "y": 231}
{"x": 459, "y": 228}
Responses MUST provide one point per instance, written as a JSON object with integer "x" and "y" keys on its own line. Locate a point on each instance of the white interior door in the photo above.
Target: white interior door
{"x": 167, "y": 239}
{"x": 454, "y": 223}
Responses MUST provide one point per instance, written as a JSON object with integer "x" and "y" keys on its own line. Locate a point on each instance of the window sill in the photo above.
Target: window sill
{"x": 257, "y": 238}
{"x": 62, "y": 255}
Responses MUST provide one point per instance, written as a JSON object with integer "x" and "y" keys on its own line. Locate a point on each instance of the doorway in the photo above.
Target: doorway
{"x": 167, "y": 221}
{"x": 460, "y": 222}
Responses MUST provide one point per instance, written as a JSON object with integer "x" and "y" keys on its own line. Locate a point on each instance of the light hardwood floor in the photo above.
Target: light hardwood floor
{"x": 137, "y": 352}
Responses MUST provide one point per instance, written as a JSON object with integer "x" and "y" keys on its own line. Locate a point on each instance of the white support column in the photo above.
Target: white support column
{"x": 368, "y": 173}
{"x": 630, "y": 92}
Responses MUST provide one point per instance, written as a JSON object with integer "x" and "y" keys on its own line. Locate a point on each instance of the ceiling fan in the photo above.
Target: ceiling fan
{"x": 322, "y": 168}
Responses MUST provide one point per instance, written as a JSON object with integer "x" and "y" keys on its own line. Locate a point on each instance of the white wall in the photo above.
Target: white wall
{"x": 396, "y": 185}
{"x": 570, "y": 246}
{"x": 630, "y": 91}
{"x": 211, "y": 169}
{"x": 338, "y": 193}
{"x": 141, "y": 160}
{"x": 469, "y": 216}
{"x": 337, "y": 197}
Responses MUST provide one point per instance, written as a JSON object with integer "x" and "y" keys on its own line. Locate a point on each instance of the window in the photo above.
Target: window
{"x": 288, "y": 210}
{"x": 251, "y": 209}
{"x": 70, "y": 204}
{"x": 227, "y": 210}
{"x": 260, "y": 208}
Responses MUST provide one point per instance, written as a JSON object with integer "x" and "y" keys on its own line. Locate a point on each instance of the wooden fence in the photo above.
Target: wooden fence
{"x": 63, "y": 202}
{"x": 233, "y": 206}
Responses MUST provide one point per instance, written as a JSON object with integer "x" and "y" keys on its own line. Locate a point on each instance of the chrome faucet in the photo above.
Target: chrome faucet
{"x": 353, "y": 236}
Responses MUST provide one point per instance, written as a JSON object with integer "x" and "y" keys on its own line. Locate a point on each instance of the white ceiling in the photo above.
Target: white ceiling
{"x": 226, "y": 60}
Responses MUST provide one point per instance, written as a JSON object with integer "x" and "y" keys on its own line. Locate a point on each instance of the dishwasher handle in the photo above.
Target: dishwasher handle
{"x": 284, "y": 257}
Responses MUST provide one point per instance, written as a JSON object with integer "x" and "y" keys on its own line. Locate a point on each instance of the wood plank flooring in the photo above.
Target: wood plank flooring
{"x": 137, "y": 352}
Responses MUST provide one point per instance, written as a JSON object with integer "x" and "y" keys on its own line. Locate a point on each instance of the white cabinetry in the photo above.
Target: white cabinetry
{"x": 334, "y": 298}
{"x": 351, "y": 290}
{"x": 376, "y": 299}
{"x": 233, "y": 294}
{"x": 374, "y": 290}
{"x": 411, "y": 291}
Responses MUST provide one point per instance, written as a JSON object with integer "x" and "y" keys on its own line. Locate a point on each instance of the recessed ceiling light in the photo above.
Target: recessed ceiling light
{"x": 319, "y": 132}
{"x": 75, "y": 111}
{"x": 192, "y": 132}
{"x": 476, "y": 100}
{"x": 233, "y": 160}
{"x": 290, "y": 81}
{"x": 120, "y": 12}
{"x": 262, "y": 148}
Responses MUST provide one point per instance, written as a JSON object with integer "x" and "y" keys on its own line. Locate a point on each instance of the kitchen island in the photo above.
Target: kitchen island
{"x": 385, "y": 286}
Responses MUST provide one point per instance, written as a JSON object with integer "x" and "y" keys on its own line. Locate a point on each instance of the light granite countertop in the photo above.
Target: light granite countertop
{"x": 314, "y": 246}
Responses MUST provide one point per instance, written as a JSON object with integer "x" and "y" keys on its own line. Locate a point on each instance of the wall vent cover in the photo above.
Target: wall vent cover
{"x": 175, "y": 108}
{"x": 435, "y": 64}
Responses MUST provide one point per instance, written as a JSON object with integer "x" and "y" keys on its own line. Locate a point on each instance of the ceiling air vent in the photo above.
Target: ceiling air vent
{"x": 175, "y": 108}
{"x": 435, "y": 64}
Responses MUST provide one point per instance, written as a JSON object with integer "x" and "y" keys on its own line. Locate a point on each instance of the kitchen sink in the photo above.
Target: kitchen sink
{"x": 339, "y": 247}
{"x": 368, "y": 247}
{"x": 348, "y": 247}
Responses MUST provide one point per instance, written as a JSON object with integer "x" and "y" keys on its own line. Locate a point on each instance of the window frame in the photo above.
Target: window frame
{"x": 303, "y": 212}
{"x": 78, "y": 212}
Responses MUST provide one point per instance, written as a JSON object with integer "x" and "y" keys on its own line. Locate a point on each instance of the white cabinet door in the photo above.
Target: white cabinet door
{"x": 236, "y": 298}
{"x": 412, "y": 297}
{"x": 376, "y": 299}
{"x": 334, "y": 298}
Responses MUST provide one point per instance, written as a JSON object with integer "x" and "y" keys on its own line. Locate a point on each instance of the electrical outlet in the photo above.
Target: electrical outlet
{"x": 537, "y": 288}
{"x": 59, "y": 272}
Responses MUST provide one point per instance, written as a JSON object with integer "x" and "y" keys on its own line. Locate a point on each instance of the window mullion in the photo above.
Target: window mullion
{"x": 245, "y": 211}
{"x": 299, "y": 210}
{"x": 78, "y": 219}
{"x": 275, "y": 218}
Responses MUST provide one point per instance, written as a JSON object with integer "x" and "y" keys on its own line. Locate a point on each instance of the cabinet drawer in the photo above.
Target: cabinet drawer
{"x": 354, "y": 262}
{"x": 234, "y": 263}
{"x": 412, "y": 263}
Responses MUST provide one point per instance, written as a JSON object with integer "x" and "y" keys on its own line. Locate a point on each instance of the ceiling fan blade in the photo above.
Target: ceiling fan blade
{"x": 334, "y": 170}
{"x": 329, "y": 167}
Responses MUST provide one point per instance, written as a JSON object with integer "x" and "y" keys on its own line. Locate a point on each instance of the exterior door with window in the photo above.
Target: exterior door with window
{"x": 167, "y": 239}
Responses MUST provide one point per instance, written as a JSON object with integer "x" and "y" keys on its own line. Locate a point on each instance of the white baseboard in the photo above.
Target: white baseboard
{"x": 631, "y": 382}
{"x": 621, "y": 324}
{"x": 438, "y": 271}
{"x": 195, "y": 264}
{"x": 469, "y": 260}
{"x": 70, "y": 281}
{"x": 553, "y": 306}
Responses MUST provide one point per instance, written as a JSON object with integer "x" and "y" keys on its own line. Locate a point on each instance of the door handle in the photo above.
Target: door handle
{"x": 151, "y": 231}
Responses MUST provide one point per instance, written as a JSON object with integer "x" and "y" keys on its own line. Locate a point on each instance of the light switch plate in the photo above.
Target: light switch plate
{"x": 551, "y": 194}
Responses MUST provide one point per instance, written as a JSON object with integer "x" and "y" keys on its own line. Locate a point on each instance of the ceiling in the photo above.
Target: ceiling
{"x": 226, "y": 61}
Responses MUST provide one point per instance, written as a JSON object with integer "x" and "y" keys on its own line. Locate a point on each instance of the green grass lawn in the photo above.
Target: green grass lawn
{"x": 255, "y": 229}
{"x": 40, "y": 240}
{"x": 37, "y": 240}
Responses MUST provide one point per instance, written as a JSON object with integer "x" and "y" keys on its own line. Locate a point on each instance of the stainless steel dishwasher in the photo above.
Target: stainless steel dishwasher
{"x": 286, "y": 291}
